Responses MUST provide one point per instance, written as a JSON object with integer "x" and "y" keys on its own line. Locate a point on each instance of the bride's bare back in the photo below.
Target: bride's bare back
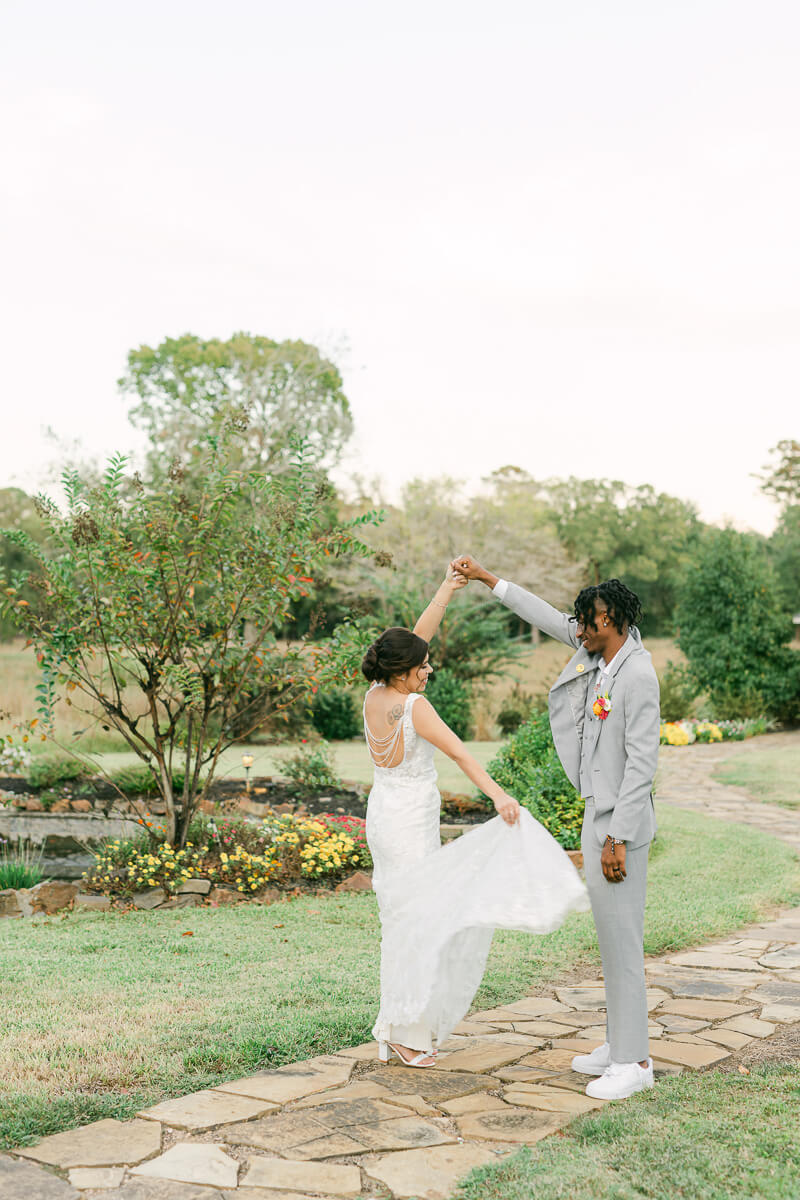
{"x": 384, "y": 707}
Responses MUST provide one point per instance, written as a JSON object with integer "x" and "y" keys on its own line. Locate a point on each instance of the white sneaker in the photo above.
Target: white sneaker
{"x": 594, "y": 1063}
{"x": 621, "y": 1080}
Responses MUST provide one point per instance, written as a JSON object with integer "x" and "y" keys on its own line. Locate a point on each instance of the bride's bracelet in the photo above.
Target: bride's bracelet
{"x": 438, "y": 604}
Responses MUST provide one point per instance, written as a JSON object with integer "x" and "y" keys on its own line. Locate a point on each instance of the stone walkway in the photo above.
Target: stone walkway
{"x": 343, "y": 1125}
{"x": 685, "y": 778}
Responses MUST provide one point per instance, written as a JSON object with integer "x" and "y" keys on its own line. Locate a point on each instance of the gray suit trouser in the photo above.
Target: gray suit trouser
{"x": 618, "y": 911}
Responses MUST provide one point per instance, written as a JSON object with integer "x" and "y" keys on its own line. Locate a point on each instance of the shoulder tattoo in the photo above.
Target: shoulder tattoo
{"x": 394, "y": 714}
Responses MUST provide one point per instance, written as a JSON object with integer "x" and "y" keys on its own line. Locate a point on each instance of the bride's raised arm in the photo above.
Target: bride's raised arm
{"x": 431, "y": 618}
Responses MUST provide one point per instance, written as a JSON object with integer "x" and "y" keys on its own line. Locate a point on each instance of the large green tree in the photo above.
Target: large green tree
{"x": 187, "y": 388}
{"x": 644, "y": 537}
{"x": 734, "y": 630}
{"x": 158, "y": 608}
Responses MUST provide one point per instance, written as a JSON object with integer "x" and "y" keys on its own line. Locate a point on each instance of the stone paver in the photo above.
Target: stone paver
{"x": 428, "y": 1174}
{"x": 785, "y": 1014}
{"x": 778, "y": 990}
{"x": 165, "y": 1189}
{"x": 96, "y": 1177}
{"x": 520, "y": 1125}
{"x": 713, "y": 962}
{"x": 725, "y": 1037}
{"x": 481, "y": 1057}
{"x": 333, "y": 1178}
{"x": 675, "y": 1023}
{"x": 753, "y": 1027}
{"x": 206, "y": 1110}
{"x": 701, "y": 985}
{"x": 193, "y": 1162}
{"x": 550, "y": 1099}
{"x": 477, "y": 1102}
{"x": 106, "y": 1143}
{"x": 687, "y": 1054}
{"x": 25, "y": 1181}
{"x": 430, "y": 1084}
{"x": 707, "y": 1010}
{"x": 293, "y": 1081}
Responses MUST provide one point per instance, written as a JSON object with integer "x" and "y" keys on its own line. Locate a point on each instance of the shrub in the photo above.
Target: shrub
{"x": 678, "y": 692}
{"x": 528, "y": 768}
{"x": 47, "y": 772}
{"x": 139, "y": 780}
{"x": 21, "y": 867}
{"x": 451, "y": 696}
{"x": 310, "y": 769}
{"x": 135, "y": 781}
{"x": 334, "y": 716}
{"x": 516, "y": 708}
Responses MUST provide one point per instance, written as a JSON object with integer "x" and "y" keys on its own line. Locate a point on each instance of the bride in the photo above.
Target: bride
{"x": 439, "y": 905}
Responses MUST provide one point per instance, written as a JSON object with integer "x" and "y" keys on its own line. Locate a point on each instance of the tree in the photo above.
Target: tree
{"x": 505, "y": 527}
{"x": 188, "y": 389}
{"x": 784, "y": 548}
{"x": 734, "y": 630}
{"x": 18, "y": 512}
{"x": 644, "y": 537}
{"x": 782, "y": 479}
{"x": 158, "y": 607}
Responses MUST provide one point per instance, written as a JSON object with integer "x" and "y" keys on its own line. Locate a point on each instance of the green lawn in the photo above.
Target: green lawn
{"x": 106, "y": 1012}
{"x": 771, "y": 774}
{"x": 708, "y": 1136}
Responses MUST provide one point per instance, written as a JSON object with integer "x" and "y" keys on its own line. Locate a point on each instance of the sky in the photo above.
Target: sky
{"x": 558, "y": 236}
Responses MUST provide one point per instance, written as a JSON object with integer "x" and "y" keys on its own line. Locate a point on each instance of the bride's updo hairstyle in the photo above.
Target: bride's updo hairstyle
{"x": 396, "y": 651}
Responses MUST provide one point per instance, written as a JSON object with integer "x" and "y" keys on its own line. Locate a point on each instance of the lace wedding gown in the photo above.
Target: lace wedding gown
{"x": 439, "y": 905}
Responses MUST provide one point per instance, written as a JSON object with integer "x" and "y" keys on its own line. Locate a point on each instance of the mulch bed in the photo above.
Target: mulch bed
{"x": 265, "y": 791}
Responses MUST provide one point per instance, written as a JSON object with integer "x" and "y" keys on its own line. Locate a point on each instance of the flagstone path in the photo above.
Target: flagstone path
{"x": 343, "y": 1125}
{"x": 685, "y": 778}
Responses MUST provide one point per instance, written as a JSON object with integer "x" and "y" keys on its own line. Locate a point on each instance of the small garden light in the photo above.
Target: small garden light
{"x": 247, "y": 762}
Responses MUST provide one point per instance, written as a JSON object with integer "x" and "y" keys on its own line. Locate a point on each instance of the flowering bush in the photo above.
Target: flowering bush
{"x": 283, "y": 849}
{"x": 312, "y": 848}
{"x": 683, "y": 733}
{"x": 15, "y": 759}
{"x": 707, "y": 731}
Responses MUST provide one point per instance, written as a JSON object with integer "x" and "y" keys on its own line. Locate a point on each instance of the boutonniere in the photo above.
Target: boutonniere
{"x": 602, "y": 706}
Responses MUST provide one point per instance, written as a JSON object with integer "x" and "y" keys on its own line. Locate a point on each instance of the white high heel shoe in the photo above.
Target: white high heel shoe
{"x": 386, "y": 1050}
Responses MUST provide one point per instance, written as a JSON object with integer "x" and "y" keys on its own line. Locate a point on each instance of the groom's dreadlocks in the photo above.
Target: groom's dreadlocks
{"x": 623, "y": 605}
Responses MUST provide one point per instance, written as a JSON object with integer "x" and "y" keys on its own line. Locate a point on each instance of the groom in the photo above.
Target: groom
{"x": 604, "y": 714}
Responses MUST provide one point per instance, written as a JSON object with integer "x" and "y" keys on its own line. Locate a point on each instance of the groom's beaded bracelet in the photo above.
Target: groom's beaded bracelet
{"x": 614, "y": 842}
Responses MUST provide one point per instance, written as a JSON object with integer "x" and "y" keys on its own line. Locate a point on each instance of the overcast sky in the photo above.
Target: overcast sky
{"x": 563, "y": 236}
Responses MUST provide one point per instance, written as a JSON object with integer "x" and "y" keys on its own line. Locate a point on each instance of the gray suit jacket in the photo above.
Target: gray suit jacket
{"x": 622, "y": 751}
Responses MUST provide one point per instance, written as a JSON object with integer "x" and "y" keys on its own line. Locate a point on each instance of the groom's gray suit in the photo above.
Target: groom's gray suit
{"x": 612, "y": 763}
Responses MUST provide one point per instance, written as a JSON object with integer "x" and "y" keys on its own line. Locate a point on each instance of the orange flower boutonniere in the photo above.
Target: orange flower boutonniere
{"x": 602, "y": 707}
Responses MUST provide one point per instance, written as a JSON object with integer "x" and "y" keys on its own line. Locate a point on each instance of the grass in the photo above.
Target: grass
{"x": 105, "y": 1013}
{"x": 708, "y": 1136}
{"x": 769, "y": 774}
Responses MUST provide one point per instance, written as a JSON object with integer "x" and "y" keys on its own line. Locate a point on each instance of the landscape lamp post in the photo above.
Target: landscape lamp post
{"x": 247, "y": 762}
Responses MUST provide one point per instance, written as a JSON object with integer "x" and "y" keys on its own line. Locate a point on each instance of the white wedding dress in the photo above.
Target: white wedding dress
{"x": 439, "y": 905}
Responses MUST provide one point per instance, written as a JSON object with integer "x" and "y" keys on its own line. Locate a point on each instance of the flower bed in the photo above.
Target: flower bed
{"x": 684, "y": 733}
{"x": 283, "y": 851}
